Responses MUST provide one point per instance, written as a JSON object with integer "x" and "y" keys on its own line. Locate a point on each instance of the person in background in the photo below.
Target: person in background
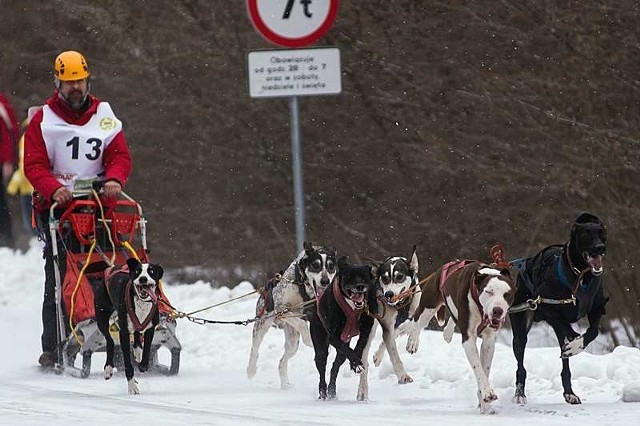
{"x": 8, "y": 139}
{"x": 19, "y": 185}
{"x": 73, "y": 137}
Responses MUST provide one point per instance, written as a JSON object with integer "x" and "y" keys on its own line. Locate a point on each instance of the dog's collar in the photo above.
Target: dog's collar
{"x": 567, "y": 256}
{"x": 577, "y": 273}
{"x": 350, "y": 311}
{"x": 137, "y": 325}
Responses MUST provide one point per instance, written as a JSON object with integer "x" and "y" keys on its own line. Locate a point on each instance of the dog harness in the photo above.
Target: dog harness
{"x": 352, "y": 313}
{"x": 447, "y": 271}
{"x": 137, "y": 325}
{"x": 553, "y": 267}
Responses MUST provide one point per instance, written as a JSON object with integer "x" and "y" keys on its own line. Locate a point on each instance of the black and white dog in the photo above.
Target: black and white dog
{"x": 132, "y": 291}
{"x": 396, "y": 283}
{"x": 312, "y": 271}
{"x": 560, "y": 285}
{"x": 343, "y": 312}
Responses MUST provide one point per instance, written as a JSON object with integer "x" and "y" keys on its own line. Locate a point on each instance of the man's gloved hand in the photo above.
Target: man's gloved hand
{"x": 112, "y": 189}
{"x": 62, "y": 195}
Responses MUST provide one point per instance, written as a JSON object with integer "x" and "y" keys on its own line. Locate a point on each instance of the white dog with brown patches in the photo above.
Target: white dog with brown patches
{"x": 477, "y": 297}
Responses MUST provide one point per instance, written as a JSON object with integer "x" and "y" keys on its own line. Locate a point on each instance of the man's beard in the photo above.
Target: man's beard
{"x": 76, "y": 99}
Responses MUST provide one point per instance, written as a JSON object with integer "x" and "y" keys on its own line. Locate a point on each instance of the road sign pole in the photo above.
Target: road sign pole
{"x": 297, "y": 25}
{"x": 298, "y": 187}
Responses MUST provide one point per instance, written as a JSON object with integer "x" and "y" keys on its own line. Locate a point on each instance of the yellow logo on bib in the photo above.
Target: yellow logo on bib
{"x": 107, "y": 123}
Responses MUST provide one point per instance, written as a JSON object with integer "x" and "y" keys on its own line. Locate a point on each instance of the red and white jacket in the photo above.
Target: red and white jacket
{"x": 62, "y": 145}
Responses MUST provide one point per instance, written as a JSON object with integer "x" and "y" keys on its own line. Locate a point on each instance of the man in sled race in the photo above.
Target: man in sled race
{"x": 73, "y": 138}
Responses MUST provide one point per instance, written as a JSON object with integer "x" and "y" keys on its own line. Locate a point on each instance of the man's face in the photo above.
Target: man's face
{"x": 75, "y": 92}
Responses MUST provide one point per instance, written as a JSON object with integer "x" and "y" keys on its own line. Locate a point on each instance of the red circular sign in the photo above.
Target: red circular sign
{"x": 292, "y": 23}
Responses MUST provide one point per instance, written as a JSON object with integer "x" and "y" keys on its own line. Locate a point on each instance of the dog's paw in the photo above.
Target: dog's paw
{"x": 251, "y": 372}
{"x": 519, "y": 397}
{"x": 413, "y": 342}
{"x": 331, "y": 392}
{"x": 143, "y": 368}
{"x": 572, "y": 398}
{"x": 132, "y": 384}
{"x": 378, "y": 356}
{"x": 137, "y": 354}
{"x": 404, "y": 379}
{"x": 286, "y": 386}
{"x": 108, "y": 372}
{"x": 487, "y": 409}
{"x": 489, "y": 396}
{"x": 572, "y": 347}
{"x": 356, "y": 366}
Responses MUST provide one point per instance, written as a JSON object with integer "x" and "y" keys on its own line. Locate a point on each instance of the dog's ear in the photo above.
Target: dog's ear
{"x": 156, "y": 272}
{"x": 308, "y": 247}
{"x": 587, "y": 218}
{"x": 133, "y": 263}
{"x": 302, "y": 263}
{"x": 413, "y": 263}
{"x": 342, "y": 261}
{"x": 505, "y": 272}
{"x": 375, "y": 266}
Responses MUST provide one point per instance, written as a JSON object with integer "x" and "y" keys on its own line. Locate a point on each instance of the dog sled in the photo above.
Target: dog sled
{"x": 94, "y": 236}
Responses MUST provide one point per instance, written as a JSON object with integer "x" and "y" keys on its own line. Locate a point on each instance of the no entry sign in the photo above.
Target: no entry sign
{"x": 292, "y": 23}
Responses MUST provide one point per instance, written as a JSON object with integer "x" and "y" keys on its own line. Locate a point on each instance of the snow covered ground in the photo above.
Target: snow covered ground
{"x": 212, "y": 387}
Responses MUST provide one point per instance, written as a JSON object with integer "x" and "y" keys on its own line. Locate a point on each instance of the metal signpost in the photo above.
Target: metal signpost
{"x": 294, "y": 72}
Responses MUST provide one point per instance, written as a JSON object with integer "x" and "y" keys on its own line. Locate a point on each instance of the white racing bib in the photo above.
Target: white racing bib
{"x": 76, "y": 152}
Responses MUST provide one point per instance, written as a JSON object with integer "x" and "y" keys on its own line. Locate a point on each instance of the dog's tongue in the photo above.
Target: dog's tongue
{"x": 151, "y": 292}
{"x": 596, "y": 263}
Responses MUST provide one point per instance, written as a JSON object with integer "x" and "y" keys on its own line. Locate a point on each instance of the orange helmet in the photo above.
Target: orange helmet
{"x": 71, "y": 65}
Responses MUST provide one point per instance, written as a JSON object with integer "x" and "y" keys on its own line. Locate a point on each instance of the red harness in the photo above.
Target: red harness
{"x": 137, "y": 325}
{"x": 352, "y": 313}
{"x": 449, "y": 269}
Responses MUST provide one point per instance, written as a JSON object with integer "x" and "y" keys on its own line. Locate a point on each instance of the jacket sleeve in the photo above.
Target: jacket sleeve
{"x": 117, "y": 160}
{"x": 37, "y": 166}
{"x": 8, "y": 132}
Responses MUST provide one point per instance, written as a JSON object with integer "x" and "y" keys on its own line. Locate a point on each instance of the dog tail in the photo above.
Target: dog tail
{"x": 441, "y": 315}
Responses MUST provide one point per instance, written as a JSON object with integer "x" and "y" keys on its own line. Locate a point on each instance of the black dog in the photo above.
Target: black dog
{"x": 342, "y": 314}
{"x": 560, "y": 285}
{"x": 132, "y": 292}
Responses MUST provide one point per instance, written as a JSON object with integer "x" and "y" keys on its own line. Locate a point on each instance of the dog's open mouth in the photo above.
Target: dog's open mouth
{"x": 357, "y": 298}
{"x": 319, "y": 290}
{"x": 392, "y": 299}
{"x": 495, "y": 322}
{"x": 595, "y": 262}
{"x": 147, "y": 293}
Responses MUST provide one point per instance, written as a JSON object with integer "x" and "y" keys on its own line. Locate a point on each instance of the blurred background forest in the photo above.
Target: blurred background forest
{"x": 460, "y": 124}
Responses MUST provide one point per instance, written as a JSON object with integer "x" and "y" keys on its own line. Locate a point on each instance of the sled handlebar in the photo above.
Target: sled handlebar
{"x": 87, "y": 192}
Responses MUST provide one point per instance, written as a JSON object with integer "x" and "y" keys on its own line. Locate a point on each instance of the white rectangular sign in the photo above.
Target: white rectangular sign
{"x": 294, "y": 72}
